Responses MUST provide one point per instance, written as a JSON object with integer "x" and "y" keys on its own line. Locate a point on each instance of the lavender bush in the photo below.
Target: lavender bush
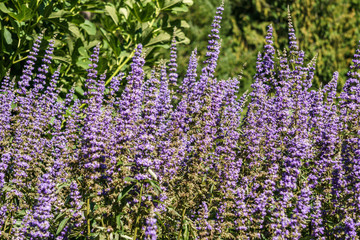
{"x": 173, "y": 159}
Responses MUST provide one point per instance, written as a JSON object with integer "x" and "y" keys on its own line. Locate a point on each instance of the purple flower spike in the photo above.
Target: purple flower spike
{"x": 173, "y": 76}
{"x": 131, "y": 99}
{"x": 151, "y": 228}
{"x": 29, "y": 67}
{"x": 213, "y": 50}
{"x": 292, "y": 38}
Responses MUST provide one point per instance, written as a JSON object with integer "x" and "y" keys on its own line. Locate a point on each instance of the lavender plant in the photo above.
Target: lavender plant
{"x": 172, "y": 158}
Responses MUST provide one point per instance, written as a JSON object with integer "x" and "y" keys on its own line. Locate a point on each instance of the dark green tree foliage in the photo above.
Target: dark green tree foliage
{"x": 328, "y": 28}
{"x": 79, "y": 25}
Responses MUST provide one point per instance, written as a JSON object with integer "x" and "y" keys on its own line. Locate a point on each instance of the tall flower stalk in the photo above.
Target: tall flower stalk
{"x": 178, "y": 158}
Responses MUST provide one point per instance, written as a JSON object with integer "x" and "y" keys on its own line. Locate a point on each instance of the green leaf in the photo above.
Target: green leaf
{"x": 62, "y": 59}
{"x": 48, "y": 10}
{"x": 79, "y": 90}
{"x": 125, "y": 192}
{"x": 74, "y": 30}
{"x": 24, "y": 15}
{"x": 188, "y": 2}
{"x": 174, "y": 211}
{"x": 180, "y": 9}
{"x": 152, "y": 174}
{"x": 89, "y": 27}
{"x": 114, "y": 236}
{"x": 59, "y": 216}
{"x": 155, "y": 185}
{"x": 62, "y": 225}
{"x": 184, "y": 24}
{"x": 129, "y": 179}
{"x": 83, "y": 52}
{"x": 124, "y": 12}
{"x": 7, "y": 36}
{"x": 102, "y": 236}
{"x": 170, "y": 3}
{"x": 186, "y": 232}
{"x": 118, "y": 221}
{"x": 126, "y": 237}
{"x": 105, "y": 35}
{"x": 111, "y": 10}
{"x": 147, "y": 13}
{"x": 58, "y": 14}
{"x": 158, "y": 39}
{"x": 4, "y": 9}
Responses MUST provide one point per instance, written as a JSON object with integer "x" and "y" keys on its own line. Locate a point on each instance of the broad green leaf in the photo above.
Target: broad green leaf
{"x": 158, "y": 39}
{"x": 184, "y": 24}
{"x": 129, "y": 179}
{"x": 124, "y": 54}
{"x": 188, "y": 2}
{"x": 181, "y": 36}
{"x": 116, "y": 236}
{"x": 48, "y": 10}
{"x": 74, "y": 30}
{"x": 4, "y": 9}
{"x": 185, "y": 41}
{"x": 62, "y": 59}
{"x": 89, "y": 27}
{"x": 58, "y": 14}
{"x": 59, "y": 216}
{"x": 180, "y": 9}
{"x": 170, "y": 3}
{"x": 7, "y": 36}
{"x": 124, "y": 12}
{"x": 111, "y": 10}
{"x": 79, "y": 90}
{"x": 83, "y": 52}
{"x": 26, "y": 12}
{"x": 92, "y": 43}
{"x": 144, "y": 2}
{"x": 147, "y": 12}
{"x": 62, "y": 225}
{"x": 24, "y": 15}
{"x": 13, "y": 105}
{"x": 102, "y": 236}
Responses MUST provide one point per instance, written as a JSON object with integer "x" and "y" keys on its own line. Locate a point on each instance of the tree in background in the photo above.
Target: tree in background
{"x": 328, "y": 28}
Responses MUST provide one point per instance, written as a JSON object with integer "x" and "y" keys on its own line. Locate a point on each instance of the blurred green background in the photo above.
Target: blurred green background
{"x": 329, "y": 28}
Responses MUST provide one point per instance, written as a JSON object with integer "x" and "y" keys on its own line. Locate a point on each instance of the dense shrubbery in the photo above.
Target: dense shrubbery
{"x": 173, "y": 159}
{"x": 80, "y": 25}
{"x": 327, "y": 28}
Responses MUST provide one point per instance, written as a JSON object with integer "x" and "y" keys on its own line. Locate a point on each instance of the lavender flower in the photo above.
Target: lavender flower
{"x": 144, "y": 164}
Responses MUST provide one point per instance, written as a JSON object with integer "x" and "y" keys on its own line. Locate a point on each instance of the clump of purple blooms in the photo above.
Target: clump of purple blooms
{"x": 171, "y": 157}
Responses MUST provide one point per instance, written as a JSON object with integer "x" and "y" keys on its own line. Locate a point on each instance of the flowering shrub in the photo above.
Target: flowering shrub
{"x": 168, "y": 161}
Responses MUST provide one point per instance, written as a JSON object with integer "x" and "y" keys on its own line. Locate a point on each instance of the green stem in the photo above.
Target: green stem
{"x": 138, "y": 217}
{"x": 5, "y": 224}
{"x": 88, "y": 213}
{"x": 115, "y": 73}
{"x": 10, "y": 227}
{"x": 120, "y": 67}
{"x": 181, "y": 224}
{"x": 20, "y": 60}
{"x": 103, "y": 225}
